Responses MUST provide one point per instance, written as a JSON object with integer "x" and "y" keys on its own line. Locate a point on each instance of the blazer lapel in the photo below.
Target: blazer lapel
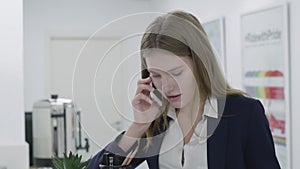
{"x": 153, "y": 152}
{"x": 152, "y": 158}
{"x": 217, "y": 141}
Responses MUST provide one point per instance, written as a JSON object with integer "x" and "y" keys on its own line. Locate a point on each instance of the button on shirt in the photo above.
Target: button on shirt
{"x": 195, "y": 152}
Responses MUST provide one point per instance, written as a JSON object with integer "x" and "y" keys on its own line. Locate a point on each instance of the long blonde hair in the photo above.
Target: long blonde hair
{"x": 181, "y": 33}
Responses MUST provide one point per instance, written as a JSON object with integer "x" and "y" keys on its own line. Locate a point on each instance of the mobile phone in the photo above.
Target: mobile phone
{"x": 156, "y": 95}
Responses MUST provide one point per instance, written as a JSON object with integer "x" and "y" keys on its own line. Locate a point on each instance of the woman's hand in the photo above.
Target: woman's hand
{"x": 145, "y": 109}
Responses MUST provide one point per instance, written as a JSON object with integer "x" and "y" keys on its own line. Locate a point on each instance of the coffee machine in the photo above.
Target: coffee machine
{"x": 56, "y": 130}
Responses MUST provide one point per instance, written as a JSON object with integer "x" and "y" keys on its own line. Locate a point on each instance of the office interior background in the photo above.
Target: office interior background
{"x": 40, "y": 42}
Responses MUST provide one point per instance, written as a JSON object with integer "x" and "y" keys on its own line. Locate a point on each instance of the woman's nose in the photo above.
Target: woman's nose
{"x": 168, "y": 83}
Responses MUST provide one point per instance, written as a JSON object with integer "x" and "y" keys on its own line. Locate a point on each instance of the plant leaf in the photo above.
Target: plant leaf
{"x": 70, "y": 161}
{"x": 58, "y": 163}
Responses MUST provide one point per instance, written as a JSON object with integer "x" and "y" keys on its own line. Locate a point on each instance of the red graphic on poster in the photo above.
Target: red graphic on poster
{"x": 274, "y": 92}
{"x": 276, "y": 123}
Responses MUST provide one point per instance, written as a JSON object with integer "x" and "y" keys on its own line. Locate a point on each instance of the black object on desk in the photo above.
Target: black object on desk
{"x": 112, "y": 161}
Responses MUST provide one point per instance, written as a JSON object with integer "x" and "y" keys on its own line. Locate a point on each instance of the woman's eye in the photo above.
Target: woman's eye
{"x": 177, "y": 73}
{"x": 155, "y": 76}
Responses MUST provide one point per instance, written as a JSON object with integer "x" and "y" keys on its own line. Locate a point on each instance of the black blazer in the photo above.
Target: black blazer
{"x": 241, "y": 139}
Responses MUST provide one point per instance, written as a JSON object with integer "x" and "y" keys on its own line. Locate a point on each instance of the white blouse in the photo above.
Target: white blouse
{"x": 195, "y": 152}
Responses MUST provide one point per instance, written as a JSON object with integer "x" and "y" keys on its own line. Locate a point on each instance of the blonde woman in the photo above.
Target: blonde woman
{"x": 201, "y": 121}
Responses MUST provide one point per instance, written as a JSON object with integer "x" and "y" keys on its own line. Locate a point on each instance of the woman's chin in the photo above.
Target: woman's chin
{"x": 176, "y": 105}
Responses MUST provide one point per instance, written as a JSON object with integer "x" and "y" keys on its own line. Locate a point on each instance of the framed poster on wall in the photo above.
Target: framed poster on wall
{"x": 265, "y": 63}
{"x": 215, "y": 31}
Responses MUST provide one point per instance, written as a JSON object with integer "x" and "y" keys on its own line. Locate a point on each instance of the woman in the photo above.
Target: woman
{"x": 202, "y": 122}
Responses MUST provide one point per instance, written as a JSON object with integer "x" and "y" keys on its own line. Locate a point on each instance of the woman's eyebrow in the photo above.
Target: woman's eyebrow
{"x": 175, "y": 68}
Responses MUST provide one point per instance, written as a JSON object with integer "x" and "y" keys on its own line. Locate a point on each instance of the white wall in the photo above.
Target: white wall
{"x": 12, "y": 142}
{"x": 45, "y": 19}
{"x": 231, "y": 10}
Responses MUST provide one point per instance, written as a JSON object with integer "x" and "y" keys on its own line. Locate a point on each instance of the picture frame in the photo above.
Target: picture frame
{"x": 266, "y": 70}
{"x": 215, "y": 30}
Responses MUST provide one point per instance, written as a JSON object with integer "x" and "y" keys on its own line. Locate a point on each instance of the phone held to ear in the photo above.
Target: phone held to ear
{"x": 157, "y": 96}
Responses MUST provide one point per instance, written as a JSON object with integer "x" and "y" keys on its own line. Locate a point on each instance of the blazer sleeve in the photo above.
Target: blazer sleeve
{"x": 260, "y": 151}
{"x": 113, "y": 147}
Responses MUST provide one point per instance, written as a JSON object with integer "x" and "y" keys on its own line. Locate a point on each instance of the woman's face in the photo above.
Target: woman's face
{"x": 173, "y": 76}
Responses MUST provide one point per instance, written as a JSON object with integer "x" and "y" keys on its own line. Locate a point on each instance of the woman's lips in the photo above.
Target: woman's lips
{"x": 174, "y": 98}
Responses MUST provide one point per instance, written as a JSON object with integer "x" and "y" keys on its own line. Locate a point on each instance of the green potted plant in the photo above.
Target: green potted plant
{"x": 71, "y": 161}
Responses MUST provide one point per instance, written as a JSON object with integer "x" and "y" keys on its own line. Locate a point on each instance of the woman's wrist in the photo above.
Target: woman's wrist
{"x": 134, "y": 132}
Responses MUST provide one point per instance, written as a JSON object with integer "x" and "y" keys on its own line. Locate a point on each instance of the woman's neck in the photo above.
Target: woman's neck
{"x": 191, "y": 116}
{"x": 188, "y": 120}
{"x": 193, "y": 111}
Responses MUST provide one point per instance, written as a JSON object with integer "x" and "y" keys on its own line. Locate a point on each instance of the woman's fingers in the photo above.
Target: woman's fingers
{"x": 141, "y": 97}
{"x": 126, "y": 161}
{"x": 145, "y": 81}
{"x": 131, "y": 156}
{"x": 145, "y": 108}
{"x": 144, "y": 87}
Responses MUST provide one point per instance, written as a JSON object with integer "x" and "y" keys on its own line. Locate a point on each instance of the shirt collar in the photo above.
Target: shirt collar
{"x": 210, "y": 109}
{"x": 172, "y": 113}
